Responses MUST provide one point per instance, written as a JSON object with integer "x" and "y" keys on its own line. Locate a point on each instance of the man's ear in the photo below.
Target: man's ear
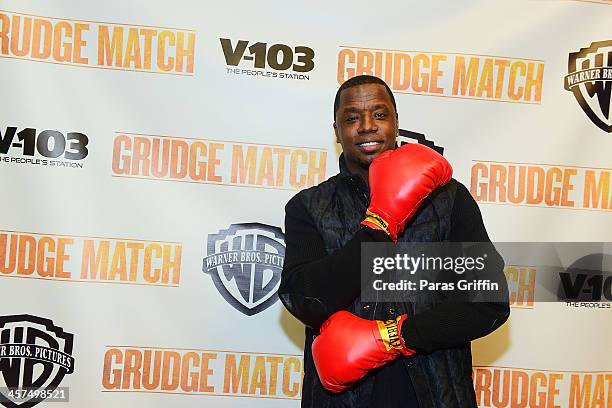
{"x": 397, "y": 141}
{"x": 336, "y": 132}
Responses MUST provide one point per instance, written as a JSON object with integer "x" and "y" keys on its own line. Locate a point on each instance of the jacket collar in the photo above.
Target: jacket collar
{"x": 344, "y": 171}
{"x": 352, "y": 179}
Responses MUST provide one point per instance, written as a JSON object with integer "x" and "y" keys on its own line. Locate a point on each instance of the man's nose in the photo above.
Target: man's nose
{"x": 367, "y": 124}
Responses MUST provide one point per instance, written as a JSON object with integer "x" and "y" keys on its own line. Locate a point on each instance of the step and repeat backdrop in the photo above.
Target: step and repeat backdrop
{"x": 148, "y": 149}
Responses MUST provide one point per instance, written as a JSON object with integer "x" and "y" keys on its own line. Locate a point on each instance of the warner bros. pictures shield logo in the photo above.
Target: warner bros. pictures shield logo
{"x": 245, "y": 263}
{"x": 408, "y": 136}
{"x": 590, "y": 80}
{"x": 35, "y": 354}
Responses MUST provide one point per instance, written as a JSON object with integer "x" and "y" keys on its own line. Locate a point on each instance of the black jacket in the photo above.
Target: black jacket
{"x": 321, "y": 276}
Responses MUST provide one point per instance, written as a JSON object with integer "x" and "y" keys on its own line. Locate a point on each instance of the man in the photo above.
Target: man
{"x": 324, "y": 228}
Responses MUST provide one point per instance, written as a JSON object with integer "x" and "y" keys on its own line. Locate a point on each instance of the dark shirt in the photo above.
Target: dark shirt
{"x": 334, "y": 280}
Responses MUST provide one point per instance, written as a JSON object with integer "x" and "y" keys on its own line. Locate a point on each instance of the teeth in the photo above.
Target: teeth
{"x": 368, "y": 144}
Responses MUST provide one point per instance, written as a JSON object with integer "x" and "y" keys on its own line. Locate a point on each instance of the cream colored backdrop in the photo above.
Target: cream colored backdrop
{"x": 153, "y": 145}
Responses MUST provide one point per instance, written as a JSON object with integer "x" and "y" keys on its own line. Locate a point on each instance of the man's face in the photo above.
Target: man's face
{"x": 366, "y": 124}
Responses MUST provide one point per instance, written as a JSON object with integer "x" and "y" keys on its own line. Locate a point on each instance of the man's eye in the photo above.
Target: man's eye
{"x": 351, "y": 118}
{"x": 380, "y": 115}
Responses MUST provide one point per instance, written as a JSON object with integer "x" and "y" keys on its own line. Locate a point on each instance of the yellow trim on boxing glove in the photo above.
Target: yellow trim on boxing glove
{"x": 375, "y": 219}
{"x": 389, "y": 334}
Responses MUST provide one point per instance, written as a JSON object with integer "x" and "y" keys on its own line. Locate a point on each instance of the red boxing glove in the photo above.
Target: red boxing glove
{"x": 349, "y": 347}
{"x": 400, "y": 180}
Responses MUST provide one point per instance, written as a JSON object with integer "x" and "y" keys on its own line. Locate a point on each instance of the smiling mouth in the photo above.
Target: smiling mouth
{"x": 364, "y": 144}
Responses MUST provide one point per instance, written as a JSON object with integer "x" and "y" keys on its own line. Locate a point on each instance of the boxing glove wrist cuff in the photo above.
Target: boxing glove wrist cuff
{"x": 391, "y": 335}
{"x": 374, "y": 221}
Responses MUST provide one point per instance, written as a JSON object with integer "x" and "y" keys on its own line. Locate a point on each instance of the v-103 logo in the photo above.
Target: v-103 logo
{"x": 22, "y": 146}
{"x": 261, "y": 56}
{"x": 245, "y": 263}
{"x": 588, "y": 279}
{"x": 35, "y": 355}
{"x": 590, "y": 80}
